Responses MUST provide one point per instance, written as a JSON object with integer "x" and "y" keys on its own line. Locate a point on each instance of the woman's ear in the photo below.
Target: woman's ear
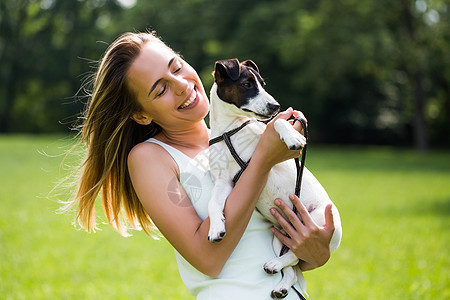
{"x": 142, "y": 119}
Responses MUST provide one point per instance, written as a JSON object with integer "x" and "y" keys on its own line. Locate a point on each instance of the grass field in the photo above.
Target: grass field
{"x": 394, "y": 205}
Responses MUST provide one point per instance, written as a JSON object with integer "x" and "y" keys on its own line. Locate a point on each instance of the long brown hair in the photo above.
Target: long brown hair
{"x": 109, "y": 134}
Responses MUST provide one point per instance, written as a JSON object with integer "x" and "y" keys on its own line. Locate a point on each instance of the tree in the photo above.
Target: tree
{"x": 42, "y": 43}
{"x": 373, "y": 72}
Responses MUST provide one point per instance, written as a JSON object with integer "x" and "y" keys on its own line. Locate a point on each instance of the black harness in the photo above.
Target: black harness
{"x": 300, "y": 166}
{"x": 226, "y": 138}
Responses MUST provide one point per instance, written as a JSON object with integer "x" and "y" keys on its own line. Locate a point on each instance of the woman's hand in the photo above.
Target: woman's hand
{"x": 309, "y": 242}
{"x": 271, "y": 149}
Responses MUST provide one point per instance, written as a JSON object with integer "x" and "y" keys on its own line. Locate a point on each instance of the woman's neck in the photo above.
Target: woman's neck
{"x": 193, "y": 138}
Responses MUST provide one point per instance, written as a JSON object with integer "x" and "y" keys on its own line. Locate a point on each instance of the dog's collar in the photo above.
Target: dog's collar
{"x": 229, "y": 133}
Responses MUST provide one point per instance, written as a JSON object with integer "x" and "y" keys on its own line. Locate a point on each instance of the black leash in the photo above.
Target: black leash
{"x": 298, "y": 186}
{"x": 300, "y": 166}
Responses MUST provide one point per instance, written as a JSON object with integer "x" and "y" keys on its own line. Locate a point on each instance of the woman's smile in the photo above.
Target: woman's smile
{"x": 191, "y": 102}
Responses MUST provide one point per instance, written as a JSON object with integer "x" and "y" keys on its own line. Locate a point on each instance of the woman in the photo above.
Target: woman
{"x": 144, "y": 132}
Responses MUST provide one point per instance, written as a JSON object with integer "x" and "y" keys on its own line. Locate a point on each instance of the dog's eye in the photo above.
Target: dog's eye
{"x": 248, "y": 84}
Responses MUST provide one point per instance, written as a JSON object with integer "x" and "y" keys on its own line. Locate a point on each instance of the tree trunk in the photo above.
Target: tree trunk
{"x": 420, "y": 135}
{"x": 420, "y": 132}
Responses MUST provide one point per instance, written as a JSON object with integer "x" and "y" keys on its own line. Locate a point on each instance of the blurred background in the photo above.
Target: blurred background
{"x": 363, "y": 72}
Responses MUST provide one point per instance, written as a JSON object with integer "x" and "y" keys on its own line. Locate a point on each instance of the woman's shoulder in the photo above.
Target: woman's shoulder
{"x": 149, "y": 152}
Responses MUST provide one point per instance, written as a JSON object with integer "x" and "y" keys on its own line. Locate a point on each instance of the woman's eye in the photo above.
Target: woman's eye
{"x": 178, "y": 67}
{"x": 163, "y": 90}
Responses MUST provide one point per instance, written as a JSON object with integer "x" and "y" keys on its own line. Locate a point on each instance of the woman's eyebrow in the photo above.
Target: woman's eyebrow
{"x": 157, "y": 81}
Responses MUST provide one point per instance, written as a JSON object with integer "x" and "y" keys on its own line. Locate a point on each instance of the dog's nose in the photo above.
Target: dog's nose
{"x": 273, "y": 107}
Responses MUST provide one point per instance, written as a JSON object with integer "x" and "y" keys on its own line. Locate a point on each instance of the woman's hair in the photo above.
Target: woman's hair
{"x": 110, "y": 134}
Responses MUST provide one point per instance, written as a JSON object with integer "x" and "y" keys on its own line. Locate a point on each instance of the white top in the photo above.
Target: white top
{"x": 243, "y": 276}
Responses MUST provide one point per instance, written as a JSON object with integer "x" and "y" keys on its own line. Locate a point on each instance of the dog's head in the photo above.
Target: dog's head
{"x": 241, "y": 85}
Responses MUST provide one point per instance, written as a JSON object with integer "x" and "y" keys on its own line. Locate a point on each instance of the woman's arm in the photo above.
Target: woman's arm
{"x": 152, "y": 169}
{"x": 309, "y": 242}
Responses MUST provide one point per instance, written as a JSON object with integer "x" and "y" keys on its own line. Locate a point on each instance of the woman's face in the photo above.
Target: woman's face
{"x": 168, "y": 88}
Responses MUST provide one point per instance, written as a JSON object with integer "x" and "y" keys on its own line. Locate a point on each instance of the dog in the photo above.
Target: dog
{"x": 237, "y": 96}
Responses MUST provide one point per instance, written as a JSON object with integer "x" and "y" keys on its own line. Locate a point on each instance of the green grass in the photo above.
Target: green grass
{"x": 394, "y": 205}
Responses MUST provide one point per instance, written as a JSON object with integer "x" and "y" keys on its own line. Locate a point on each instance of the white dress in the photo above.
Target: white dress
{"x": 243, "y": 276}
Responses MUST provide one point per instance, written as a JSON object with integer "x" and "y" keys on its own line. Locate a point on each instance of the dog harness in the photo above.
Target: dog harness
{"x": 300, "y": 166}
{"x": 226, "y": 138}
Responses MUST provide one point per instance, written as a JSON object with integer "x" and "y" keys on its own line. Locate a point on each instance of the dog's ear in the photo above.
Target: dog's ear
{"x": 227, "y": 69}
{"x": 251, "y": 64}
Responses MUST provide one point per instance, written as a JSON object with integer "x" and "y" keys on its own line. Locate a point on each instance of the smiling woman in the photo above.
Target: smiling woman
{"x": 167, "y": 88}
{"x": 147, "y": 144}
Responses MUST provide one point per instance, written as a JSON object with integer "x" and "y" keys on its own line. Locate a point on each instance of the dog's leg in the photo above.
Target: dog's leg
{"x": 293, "y": 139}
{"x": 276, "y": 264}
{"x": 282, "y": 289}
{"x": 291, "y": 272}
{"x": 216, "y": 205}
{"x": 301, "y": 281}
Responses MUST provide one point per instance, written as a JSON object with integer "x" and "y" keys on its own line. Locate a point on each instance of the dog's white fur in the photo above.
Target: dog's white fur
{"x": 280, "y": 183}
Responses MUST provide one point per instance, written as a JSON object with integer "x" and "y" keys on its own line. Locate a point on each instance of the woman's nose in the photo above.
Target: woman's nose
{"x": 181, "y": 85}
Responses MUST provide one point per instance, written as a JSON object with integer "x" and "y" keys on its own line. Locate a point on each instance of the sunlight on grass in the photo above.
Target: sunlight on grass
{"x": 44, "y": 257}
{"x": 395, "y": 208}
{"x": 394, "y": 205}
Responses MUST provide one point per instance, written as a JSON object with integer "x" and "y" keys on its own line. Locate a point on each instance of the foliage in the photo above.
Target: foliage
{"x": 43, "y": 44}
{"x": 394, "y": 206}
{"x": 364, "y": 71}
{"x": 352, "y": 67}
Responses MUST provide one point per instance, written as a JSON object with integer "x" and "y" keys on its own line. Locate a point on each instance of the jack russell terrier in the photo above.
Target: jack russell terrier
{"x": 238, "y": 96}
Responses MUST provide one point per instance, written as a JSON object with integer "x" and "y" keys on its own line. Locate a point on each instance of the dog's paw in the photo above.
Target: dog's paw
{"x": 216, "y": 230}
{"x": 295, "y": 141}
{"x": 279, "y": 294}
{"x": 273, "y": 266}
{"x": 291, "y": 137}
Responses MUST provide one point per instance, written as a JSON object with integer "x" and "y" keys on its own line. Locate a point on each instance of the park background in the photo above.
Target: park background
{"x": 372, "y": 77}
